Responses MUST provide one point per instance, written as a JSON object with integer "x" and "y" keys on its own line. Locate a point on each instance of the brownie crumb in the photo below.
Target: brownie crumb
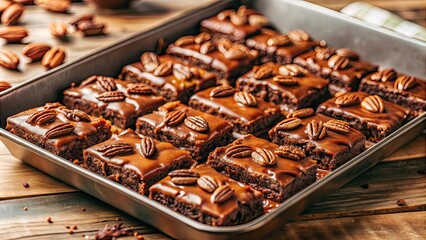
{"x": 49, "y": 220}
{"x": 118, "y": 219}
{"x": 74, "y": 227}
{"x": 112, "y": 232}
{"x": 76, "y": 162}
{"x": 67, "y": 227}
{"x": 26, "y": 185}
{"x": 70, "y": 232}
{"x": 83, "y": 209}
{"x": 25, "y": 208}
{"x": 365, "y": 186}
{"x": 401, "y": 203}
{"x": 422, "y": 171}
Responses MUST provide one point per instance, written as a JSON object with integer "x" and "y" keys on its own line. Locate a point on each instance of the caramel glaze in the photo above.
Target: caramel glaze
{"x": 392, "y": 116}
{"x": 147, "y": 168}
{"x": 81, "y": 130}
{"x": 285, "y": 171}
{"x": 355, "y": 70}
{"x": 308, "y": 84}
{"x": 269, "y": 205}
{"x": 213, "y": 60}
{"x": 259, "y": 42}
{"x": 197, "y": 197}
{"x": 230, "y": 109}
{"x": 333, "y": 144}
{"x": 322, "y": 173}
{"x": 134, "y": 104}
{"x": 170, "y": 82}
{"x": 217, "y": 126}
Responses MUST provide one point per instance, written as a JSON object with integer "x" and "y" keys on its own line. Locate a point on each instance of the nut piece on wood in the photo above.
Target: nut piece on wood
{"x": 9, "y": 59}
{"x": 35, "y": 51}
{"x": 12, "y": 14}
{"x": 54, "y": 5}
{"x": 4, "y": 5}
{"x": 13, "y": 34}
{"x": 53, "y": 58}
{"x": 77, "y": 19}
{"x": 58, "y": 29}
{"x": 91, "y": 28}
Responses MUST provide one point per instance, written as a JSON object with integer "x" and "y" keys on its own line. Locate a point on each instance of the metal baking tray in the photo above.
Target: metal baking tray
{"x": 338, "y": 30}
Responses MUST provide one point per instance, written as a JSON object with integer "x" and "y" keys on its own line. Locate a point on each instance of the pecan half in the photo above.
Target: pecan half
{"x": 324, "y": 53}
{"x": 404, "y": 82}
{"x": 347, "y": 53}
{"x": 337, "y": 126}
{"x": 53, "y": 58}
{"x": 347, "y": 100}
{"x": 169, "y": 106}
{"x": 238, "y": 19}
{"x": 290, "y": 152}
{"x": 288, "y": 124}
{"x": 286, "y": 80}
{"x": 111, "y": 96}
{"x": 207, "y": 47}
{"x": 262, "y": 72}
{"x": 264, "y": 157}
{"x": 59, "y": 130}
{"x": 197, "y": 123}
{"x": 222, "y": 91}
{"x": 278, "y": 41}
{"x": 257, "y": 20}
{"x": 52, "y": 105}
{"x": 12, "y": 14}
{"x": 224, "y": 14}
{"x": 246, "y": 99}
{"x": 221, "y": 194}
{"x": 298, "y": 35}
{"x": 174, "y": 118}
{"x": 236, "y": 52}
{"x": 292, "y": 70}
{"x": 337, "y": 62}
{"x": 9, "y": 59}
{"x": 164, "y": 69}
{"x": 181, "y": 72}
{"x": 238, "y": 151}
{"x": 384, "y": 75}
{"x": 139, "y": 89}
{"x": 115, "y": 149}
{"x": 91, "y": 28}
{"x": 106, "y": 83}
{"x": 75, "y": 20}
{"x": 207, "y": 183}
{"x": 183, "y": 177}
{"x": 13, "y": 34}
{"x": 301, "y": 113}
{"x": 202, "y": 38}
{"x": 35, "y": 51}
{"x": 41, "y": 117}
{"x": 149, "y": 61}
{"x": 373, "y": 104}
{"x": 58, "y": 29}
{"x": 223, "y": 45}
{"x": 76, "y": 115}
{"x": 147, "y": 147}
{"x": 185, "y": 40}
{"x": 4, "y": 86}
{"x": 89, "y": 80}
{"x": 54, "y": 6}
{"x": 316, "y": 130}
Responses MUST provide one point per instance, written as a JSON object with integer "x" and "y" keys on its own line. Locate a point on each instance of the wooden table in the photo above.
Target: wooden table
{"x": 363, "y": 209}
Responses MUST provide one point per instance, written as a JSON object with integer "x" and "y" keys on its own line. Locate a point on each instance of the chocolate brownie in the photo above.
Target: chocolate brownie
{"x": 290, "y": 86}
{"x": 59, "y": 130}
{"x": 265, "y": 166}
{"x": 234, "y": 25}
{"x": 342, "y": 67}
{"x": 227, "y": 60}
{"x": 374, "y": 117}
{"x": 328, "y": 141}
{"x": 407, "y": 91}
{"x": 247, "y": 113}
{"x": 204, "y": 195}
{"x": 281, "y": 48}
{"x": 121, "y": 102}
{"x": 170, "y": 77}
{"x": 186, "y": 128}
{"x": 137, "y": 162}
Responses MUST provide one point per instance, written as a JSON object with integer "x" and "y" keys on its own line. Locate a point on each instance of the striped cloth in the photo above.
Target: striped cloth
{"x": 386, "y": 19}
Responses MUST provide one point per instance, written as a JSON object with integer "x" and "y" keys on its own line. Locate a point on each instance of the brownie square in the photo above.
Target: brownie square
{"x": 178, "y": 83}
{"x": 59, "y": 130}
{"x": 135, "y": 162}
{"x": 208, "y": 197}
{"x": 247, "y": 113}
{"x": 407, "y": 91}
{"x": 280, "y": 48}
{"x": 331, "y": 143}
{"x": 257, "y": 162}
{"x": 235, "y": 25}
{"x": 186, "y": 128}
{"x": 289, "y": 86}
{"x": 227, "y": 60}
{"x": 374, "y": 117}
{"x": 119, "y": 101}
{"x": 342, "y": 67}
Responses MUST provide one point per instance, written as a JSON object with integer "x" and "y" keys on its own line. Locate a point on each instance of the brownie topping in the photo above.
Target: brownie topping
{"x": 149, "y": 61}
{"x": 106, "y": 83}
{"x": 384, "y": 75}
{"x": 337, "y": 62}
{"x": 181, "y": 72}
{"x": 324, "y": 53}
{"x": 290, "y": 152}
{"x": 238, "y": 19}
{"x": 292, "y": 70}
{"x": 373, "y": 104}
{"x": 257, "y": 20}
{"x": 347, "y": 53}
{"x": 222, "y": 91}
{"x": 404, "y": 82}
{"x": 164, "y": 69}
{"x": 298, "y": 35}
{"x": 115, "y": 149}
{"x": 184, "y": 177}
{"x": 89, "y": 80}
{"x": 139, "y": 89}
{"x": 52, "y": 105}
{"x": 262, "y": 72}
{"x": 264, "y": 157}
{"x": 111, "y": 96}
{"x": 224, "y": 14}
{"x": 147, "y": 147}
{"x": 41, "y": 117}
{"x": 59, "y": 130}
{"x": 236, "y": 52}
{"x": 174, "y": 118}
{"x": 337, "y": 126}
{"x": 207, "y": 47}
{"x": 222, "y": 193}
{"x": 286, "y": 80}
{"x": 301, "y": 113}
{"x": 238, "y": 151}
{"x": 347, "y": 100}
{"x": 202, "y": 38}
{"x": 207, "y": 183}
{"x": 278, "y": 41}
{"x": 223, "y": 45}
{"x": 316, "y": 130}
{"x": 169, "y": 106}
{"x": 197, "y": 123}
{"x": 76, "y": 115}
{"x": 185, "y": 40}
{"x": 246, "y": 99}
{"x": 288, "y": 124}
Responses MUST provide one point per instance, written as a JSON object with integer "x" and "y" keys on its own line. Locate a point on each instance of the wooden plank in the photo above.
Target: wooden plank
{"x": 414, "y": 149}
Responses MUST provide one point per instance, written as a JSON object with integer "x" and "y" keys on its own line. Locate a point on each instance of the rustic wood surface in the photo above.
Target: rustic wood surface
{"x": 365, "y": 208}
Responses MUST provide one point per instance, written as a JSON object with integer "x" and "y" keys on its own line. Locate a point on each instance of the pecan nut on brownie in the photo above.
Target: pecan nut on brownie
{"x": 234, "y": 25}
{"x": 281, "y": 48}
{"x": 329, "y": 141}
{"x": 277, "y": 172}
{"x": 247, "y": 113}
{"x": 134, "y": 161}
{"x": 343, "y": 67}
{"x": 119, "y": 101}
{"x": 290, "y": 86}
{"x": 207, "y": 196}
{"x": 59, "y": 130}
{"x": 374, "y": 117}
{"x": 186, "y": 128}
{"x": 405, "y": 90}
{"x": 170, "y": 77}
